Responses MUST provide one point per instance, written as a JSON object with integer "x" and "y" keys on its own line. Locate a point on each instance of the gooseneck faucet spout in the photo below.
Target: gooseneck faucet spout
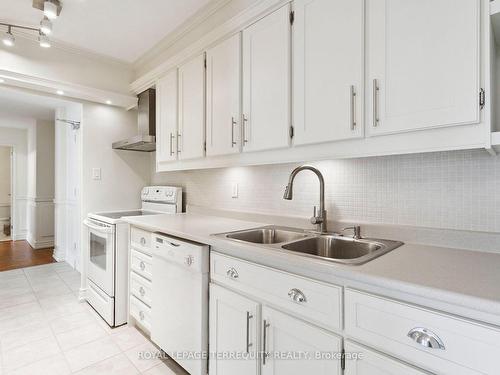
{"x": 319, "y": 218}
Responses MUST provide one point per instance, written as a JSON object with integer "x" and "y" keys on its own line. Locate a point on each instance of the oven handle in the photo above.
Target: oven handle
{"x": 97, "y": 228}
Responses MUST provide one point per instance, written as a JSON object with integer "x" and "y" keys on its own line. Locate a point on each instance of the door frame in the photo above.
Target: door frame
{"x": 13, "y": 195}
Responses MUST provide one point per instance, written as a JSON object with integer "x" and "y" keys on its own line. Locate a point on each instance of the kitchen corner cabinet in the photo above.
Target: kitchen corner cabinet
{"x": 328, "y": 70}
{"x": 224, "y": 97}
{"x": 290, "y": 336}
{"x": 191, "y": 133}
{"x": 266, "y": 82}
{"x": 234, "y": 327}
{"x": 423, "y": 64}
{"x": 166, "y": 118}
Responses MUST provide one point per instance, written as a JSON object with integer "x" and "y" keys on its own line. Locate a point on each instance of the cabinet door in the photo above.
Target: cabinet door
{"x": 422, "y": 63}
{"x": 373, "y": 363}
{"x": 191, "y": 137}
{"x": 233, "y": 331}
{"x": 223, "y": 97}
{"x": 292, "y": 337}
{"x": 328, "y": 70}
{"x": 166, "y": 118}
{"x": 266, "y": 82}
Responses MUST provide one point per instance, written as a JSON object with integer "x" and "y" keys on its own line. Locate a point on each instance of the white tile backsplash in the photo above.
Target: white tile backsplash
{"x": 451, "y": 190}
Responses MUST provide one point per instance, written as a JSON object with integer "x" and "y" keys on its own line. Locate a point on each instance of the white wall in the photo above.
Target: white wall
{"x": 60, "y": 65}
{"x": 450, "y": 190}
{"x": 14, "y": 132}
{"x": 5, "y": 182}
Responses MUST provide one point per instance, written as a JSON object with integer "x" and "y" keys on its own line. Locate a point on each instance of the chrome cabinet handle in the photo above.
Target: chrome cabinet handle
{"x": 232, "y": 273}
{"x": 264, "y": 343}
{"x": 233, "y": 124}
{"x": 424, "y": 337}
{"x": 143, "y": 241}
{"x": 248, "y": 343}
{"x": 353, "y": 107}
{"x": 245, "y": 120}
{"x": 179, "y": 135}
{"x": 297, "y": 296}
{"x": 142, "y": 291}
{"x": 142, "y": 265}
{"x": 376, "y": 90}
{"x": 172, "y": 144}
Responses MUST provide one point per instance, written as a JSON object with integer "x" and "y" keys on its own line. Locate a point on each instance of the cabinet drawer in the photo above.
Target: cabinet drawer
{"x": 140, "y": 239}
{"x": 140, "y": 288}
{"x": 315, "y": 301}
{"x": 140, "y": 312}
{"x": 467, "y": 347}
{"x": 141, "y": 263}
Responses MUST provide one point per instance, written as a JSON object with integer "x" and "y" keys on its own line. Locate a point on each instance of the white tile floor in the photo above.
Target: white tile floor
{"x": 45, "y": 330}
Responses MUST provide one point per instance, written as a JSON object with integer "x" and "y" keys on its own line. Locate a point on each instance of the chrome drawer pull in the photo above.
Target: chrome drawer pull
{"x": 142, "y": 265}
{"x": 142, "y": 291}
{"x": 248, "y": 343}
{"x": 141, "y": 315}
{"x": 297, "y": 296}
{"x": 265, "y": 354}
{"x": 143, "y": 241}
{"x": 232, "y": 273}
{"x": 424, "y": 337}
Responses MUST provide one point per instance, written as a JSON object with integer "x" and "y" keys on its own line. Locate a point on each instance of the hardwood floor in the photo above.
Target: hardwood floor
{"x": 19, "y": 254}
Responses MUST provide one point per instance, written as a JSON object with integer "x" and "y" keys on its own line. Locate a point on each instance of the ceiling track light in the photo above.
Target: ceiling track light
{"x": 46, "y": 26}
{"x": 51, "y": 8}
{"x": 9, "y": 40}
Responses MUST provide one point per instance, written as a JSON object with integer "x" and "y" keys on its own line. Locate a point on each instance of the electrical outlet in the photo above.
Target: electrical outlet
{"x": 234, "y": 193}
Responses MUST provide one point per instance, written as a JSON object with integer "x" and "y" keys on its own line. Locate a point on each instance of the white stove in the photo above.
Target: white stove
{"x": 107, "y": 259}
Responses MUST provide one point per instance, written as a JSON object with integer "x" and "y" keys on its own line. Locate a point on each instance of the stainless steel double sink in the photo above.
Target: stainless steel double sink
{"x": 331, "y": 247}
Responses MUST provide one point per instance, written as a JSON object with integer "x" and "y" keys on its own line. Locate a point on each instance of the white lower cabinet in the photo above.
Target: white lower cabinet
{"x": 234, "y": 330}
{"x": 363, "y": 361}
{"x": 295, "y": 347}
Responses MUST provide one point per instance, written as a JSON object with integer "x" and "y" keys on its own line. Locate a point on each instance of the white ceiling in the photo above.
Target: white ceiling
{"x": 22, "y": 104}
{"x": 122, "y": 29}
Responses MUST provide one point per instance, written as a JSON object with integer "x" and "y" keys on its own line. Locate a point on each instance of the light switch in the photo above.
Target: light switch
{"x": 96, "y": 173}
{"x": 234, "y": 193}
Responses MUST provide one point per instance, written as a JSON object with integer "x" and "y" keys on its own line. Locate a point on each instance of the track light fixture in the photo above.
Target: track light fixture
{"x": 50, "y": 9}
{"x": 9, "y": 40}
{"x": 46, "y": 26}
{"x": 7, "y": 37}
{"x": 44, "y": 40}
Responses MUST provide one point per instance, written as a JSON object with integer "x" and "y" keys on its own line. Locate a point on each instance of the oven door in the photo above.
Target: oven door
{"x": 101, "y": 255}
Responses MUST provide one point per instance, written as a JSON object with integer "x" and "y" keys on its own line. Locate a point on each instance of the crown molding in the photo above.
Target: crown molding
{"x": 230, "y": 27}
{"x": 71, "y": 90}
{"x": 173, "y": 37}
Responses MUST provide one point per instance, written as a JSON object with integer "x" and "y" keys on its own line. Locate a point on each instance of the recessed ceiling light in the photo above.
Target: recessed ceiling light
{"x": 109, "y": 102}
{"x": 46, "y": 26}
{"x": 50, "y": 9}
{"x": 60, "y": 92}
{"x": 8, "y": 39}
{"x": 44, "y": 40}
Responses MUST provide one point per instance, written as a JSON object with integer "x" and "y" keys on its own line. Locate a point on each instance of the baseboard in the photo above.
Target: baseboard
{"x": 59, "y": 255}
{"x": 40, "y": 244}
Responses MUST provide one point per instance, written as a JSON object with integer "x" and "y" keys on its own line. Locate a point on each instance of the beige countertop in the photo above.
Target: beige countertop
{"x": 462, "y": 282}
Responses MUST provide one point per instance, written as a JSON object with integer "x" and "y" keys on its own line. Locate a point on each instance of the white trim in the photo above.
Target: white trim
{"x": 232, "y": 26}
{"x": 71, "y": 90}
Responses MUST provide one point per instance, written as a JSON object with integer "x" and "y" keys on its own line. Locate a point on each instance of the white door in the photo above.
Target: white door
{"x": 223, "y": 97}
{"x": 101, "y": 255}
{"x": 191, "y": 136}
{"x": 422, "y": 64}
{"x": 305, "y": 347}
{"x": 166, "y": 117}
{"x": 234, "y": 327}
{"x": 266, "y": 82}
{"x": 328, "y": 60}
{"x": 373, "y": 363}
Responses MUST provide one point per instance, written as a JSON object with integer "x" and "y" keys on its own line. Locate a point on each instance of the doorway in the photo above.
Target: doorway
{"x": 6, "y": 202}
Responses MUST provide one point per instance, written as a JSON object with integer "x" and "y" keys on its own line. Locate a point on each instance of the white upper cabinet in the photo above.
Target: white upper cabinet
{"x": 166, "y": 118}
{"x": 266, "y": 82}
{"x": 234, "y": 327}
{"x": 285, "y": 334}
{"x": 191, "y": 136}
{"x": 423, "y": 66}
{"x": 224, "y": 97}
{"x": 328, "y": 60}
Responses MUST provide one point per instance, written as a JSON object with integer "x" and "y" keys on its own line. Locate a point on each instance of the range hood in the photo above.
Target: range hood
{"x": 146, "y": 122}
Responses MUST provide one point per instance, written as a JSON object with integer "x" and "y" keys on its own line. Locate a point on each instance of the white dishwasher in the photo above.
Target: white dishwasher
{"x": 179, "y": 318}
